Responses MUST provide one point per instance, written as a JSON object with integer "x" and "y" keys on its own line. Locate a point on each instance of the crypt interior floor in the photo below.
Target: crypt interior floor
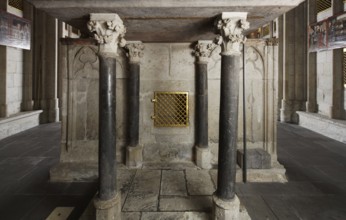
{"x": 315, "y": 167}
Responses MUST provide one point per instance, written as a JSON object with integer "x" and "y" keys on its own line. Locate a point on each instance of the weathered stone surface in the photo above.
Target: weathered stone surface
{"x": 335, "y": 129}
{"x": 173, "y": 183}
{"x": 18, "y": 123}
{"x": 141, "y": 201}
{"x": 108, "y": 210}
{"x": 275, "y": 174}
{"x": 134, "y": 156}
{"x": 177, "y": 21}
{"x": 189, "y": 203}
{"x": 199, "y": 182}
{"x": 124, "y": 178}
{"x": 131, "y": 215}
{"x": 175, "y": 216}
{"x": 255, "y": 158}
{"x": 203, "y": 157}
{"x": 170, "y": 166}
{"x": 226, "y": 210}
{"x": 147, "y": 181}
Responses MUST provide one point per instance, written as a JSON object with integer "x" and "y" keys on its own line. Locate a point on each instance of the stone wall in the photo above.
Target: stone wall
{"x": 13, "y": 71}
{"x": 14, "y": 83}
{"x": 12, "y": 74}
{"x": 325, "y": 82}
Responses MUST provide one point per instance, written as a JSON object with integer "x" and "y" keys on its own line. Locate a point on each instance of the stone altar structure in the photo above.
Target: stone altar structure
{"x": 164, "y": 67}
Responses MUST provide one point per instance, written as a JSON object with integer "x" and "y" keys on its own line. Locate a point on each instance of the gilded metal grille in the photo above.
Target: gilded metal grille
{"x": 323, "y": 5}
{"x": 18, "y": 4}
{"x": 344, "y": 69}
{"x": 171, "y": 109}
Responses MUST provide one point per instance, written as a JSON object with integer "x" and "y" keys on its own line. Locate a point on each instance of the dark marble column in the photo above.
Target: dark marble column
{"x": 231, "y": 26}
{"x": 134, "y": 156}
{"x": 108, "y": 30}
{"x": 107, "y": 116}
{"x": 228, "y": 126}
{"x": 203, "y": 50}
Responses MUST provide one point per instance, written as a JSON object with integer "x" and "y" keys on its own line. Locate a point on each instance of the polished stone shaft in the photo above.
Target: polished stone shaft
{"x": 228, "y": 127}
{"x": 133, "y": 117}
{"x": 107, "y": 135}
{"x": 202, "y": 105}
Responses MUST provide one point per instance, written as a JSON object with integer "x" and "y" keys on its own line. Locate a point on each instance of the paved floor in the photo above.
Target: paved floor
{"x": 315, "y": 166}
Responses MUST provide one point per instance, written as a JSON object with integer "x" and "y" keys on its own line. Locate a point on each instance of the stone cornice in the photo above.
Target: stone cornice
{"x": 109, "y": 32}
{"x": 134, "y": 51}
{"x": 230, "y": 29}
{"x": 203, "y": 50}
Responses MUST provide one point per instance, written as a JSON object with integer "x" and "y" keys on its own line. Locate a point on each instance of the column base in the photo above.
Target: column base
{"x": 28, "y": 105}
{"x": 3, "y": 111}
{"x": 286, "y": 111}
{"x": 134, "y": 156}
{"x": 203, "y": 157}
{"x": 228, "y": 210}
{"x": 50, "y": 109}
{"x": 311, "y": 107}
{"x": 109, "y": 209}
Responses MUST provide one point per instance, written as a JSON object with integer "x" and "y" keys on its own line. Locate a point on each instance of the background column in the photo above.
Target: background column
{"x": 337, "y": 108}
{"x": 311, "y": 104}
{"x": 134, "y": 157}
{"x": 203, "y": 50}
{"x": 231, "y": 26}
{"x": 108, "y": 30}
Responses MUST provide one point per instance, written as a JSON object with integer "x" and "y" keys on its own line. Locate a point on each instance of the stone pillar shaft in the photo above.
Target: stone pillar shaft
{"x": 133, "y": 88}
{"x": 311, "y": 104}
{"x": 228, "y": 126}
{"x": 27, "y": 103}
{"x": 108, "y": 30}
{"x": 134, "y": 157}
{"x": 203, "y": 50}
{"x": 107, "y": 132}
{"x": 202, "y": 105}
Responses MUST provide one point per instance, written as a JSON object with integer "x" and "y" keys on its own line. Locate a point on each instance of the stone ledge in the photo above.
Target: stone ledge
{"x": 257, "y": 158}
{"x": 332, "y": 128}
{"x": 18, "y": 123}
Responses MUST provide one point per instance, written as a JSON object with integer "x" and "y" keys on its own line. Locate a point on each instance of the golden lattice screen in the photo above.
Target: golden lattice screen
{"x": 171, "y": 109}
{"x": 18, "y": 4}
{"x": 323, "y": 5}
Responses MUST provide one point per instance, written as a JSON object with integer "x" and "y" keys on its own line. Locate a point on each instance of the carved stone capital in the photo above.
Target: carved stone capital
{"x": 272, "y": 41}
{"x": 230, "y": 28}
{"x": 109, "y": 31}
{"x": 134, "y": 51}
{"x": 203, "y": 50}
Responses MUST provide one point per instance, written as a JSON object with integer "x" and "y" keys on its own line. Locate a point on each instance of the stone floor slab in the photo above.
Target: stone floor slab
{"x": 173, "y": 183}
{"x": 186, "y": 203}
{"x": 131, "y": 215}
{"x": 257, "y": 208}
{"x": 124, "y": 181}
{"x": 175, "y": 216}
{"x": 169, "y": 166}
{"x": 147, "y": 181}
{"x": 199, "y": 182}
{"x": 141, "y": 201}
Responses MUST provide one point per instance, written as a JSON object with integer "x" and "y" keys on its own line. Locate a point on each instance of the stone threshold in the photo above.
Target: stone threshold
{"x": 332, "y": 128}
{"x": 19, "y": 122}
